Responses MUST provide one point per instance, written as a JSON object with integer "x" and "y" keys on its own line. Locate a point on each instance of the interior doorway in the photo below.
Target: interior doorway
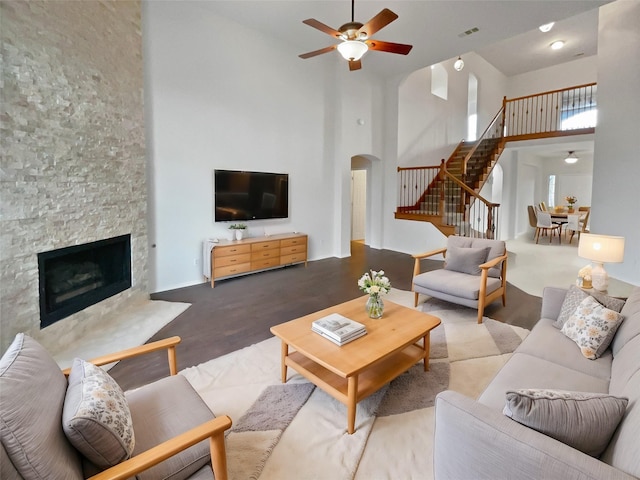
{"x": 358, "y": 205}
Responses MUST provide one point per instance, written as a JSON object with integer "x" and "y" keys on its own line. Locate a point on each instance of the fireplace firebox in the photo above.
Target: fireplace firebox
{"x": 76, "y": 277}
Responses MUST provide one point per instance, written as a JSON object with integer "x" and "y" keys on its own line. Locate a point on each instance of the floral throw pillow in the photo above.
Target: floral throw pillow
{"x": 96, "y": 417}
{"x": 592, "y": 326}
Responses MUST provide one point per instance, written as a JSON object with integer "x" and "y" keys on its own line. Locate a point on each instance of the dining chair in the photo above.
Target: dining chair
{"x": 545, "y": 225}
{"x": 573, "y": 225}
{"x": 584, "y": 221}
{"x": 543, "y": 206}
{"x": 533, "y": 221}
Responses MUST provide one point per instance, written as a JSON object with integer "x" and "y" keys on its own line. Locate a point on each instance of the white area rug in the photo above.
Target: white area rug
{"x": 294, "y": 430}
{"x": 129, "y": 327}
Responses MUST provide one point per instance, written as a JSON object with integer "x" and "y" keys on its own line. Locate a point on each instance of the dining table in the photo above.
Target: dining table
{"x": 562, "y": 218}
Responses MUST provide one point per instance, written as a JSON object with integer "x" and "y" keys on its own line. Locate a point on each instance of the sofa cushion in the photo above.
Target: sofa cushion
{"x": 466, "y": 260}
{"x": 32, "y": 389}
{"x": 592, "y": 326}
{"x": 576, "y": 295}
{"x": 162, "y": 410}
{"x": 631, "y": 326}
{"x": 525, "y": 371}
{"x": 497, "y": 248}
{"x": 546, "y": 342}
{"x": 96, "y": 416}
{"x": 585, "y": 421}
{"x": 455, "y": 284}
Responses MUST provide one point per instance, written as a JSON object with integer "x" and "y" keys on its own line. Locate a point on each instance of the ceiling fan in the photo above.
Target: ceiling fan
{"x": 356, "y": 39}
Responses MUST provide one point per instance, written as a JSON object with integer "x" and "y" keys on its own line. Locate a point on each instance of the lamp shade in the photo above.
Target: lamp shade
{"x": 601, "y": 248}
{"x": 352, "y": 49}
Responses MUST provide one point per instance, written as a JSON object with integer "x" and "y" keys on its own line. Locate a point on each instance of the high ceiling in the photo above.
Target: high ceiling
{"x": 507, "y": 36}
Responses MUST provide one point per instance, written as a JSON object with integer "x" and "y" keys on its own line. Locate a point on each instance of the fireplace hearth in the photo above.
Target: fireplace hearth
{"x": 76, "y": 277}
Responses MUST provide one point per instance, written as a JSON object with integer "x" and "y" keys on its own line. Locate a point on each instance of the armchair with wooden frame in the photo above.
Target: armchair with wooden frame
{"x": 474, "y": 274}
{"x": 171, "y": 423}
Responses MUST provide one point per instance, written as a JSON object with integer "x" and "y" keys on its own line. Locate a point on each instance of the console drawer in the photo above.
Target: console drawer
{"x": 231, "y": 250}
{"x": 265, "y": 263}
{"x": 288, "y": 242}
{"x": 293, "y": 249}
{"x": 261, "y": 255}
{"x": 293, "y": 258}
{"x": 231, "y": 270}
{"x": 268, "y": 245}
{"x": 232, "y": 260}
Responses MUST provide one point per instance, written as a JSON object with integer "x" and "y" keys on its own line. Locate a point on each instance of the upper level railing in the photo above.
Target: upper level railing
{"x": 570, "y": 111}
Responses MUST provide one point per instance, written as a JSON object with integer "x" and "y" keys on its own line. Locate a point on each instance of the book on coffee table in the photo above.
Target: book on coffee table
{"x": 338, "y": 329}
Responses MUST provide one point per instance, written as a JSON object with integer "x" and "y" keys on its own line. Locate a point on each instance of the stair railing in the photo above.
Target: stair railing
{"x": 477, "y": 217}
{"x": 494, "y": 130}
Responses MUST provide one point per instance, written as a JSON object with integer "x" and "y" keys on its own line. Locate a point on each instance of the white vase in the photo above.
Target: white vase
{"x": 239, "y": 234}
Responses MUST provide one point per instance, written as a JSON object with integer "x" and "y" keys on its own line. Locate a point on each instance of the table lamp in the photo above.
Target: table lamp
{"x": 600, "y": 249}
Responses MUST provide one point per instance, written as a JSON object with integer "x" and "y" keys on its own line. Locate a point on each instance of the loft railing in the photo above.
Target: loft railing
{"x": 570, "y": 111}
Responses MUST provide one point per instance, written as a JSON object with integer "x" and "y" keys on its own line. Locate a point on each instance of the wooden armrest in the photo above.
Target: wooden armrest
{"x": 420, "y": 256}
{"x": 494, "y": 262}
{"x": 213, "y": 429}
{"x": 166, "y": 344}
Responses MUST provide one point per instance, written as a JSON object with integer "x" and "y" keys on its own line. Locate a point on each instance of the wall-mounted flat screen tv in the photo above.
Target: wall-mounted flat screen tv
{"x": 250, "y": 195}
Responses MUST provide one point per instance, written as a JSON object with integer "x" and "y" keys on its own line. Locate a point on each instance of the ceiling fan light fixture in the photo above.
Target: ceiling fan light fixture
{"x": 571, "y": 158}
{"x": 458, "y": 64}
{"x": 352, "y": 50}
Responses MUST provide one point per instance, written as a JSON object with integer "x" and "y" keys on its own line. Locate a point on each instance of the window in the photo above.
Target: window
{"x": 439, "y": 81}
{"x": 472, "y": 108}
{"x": 551, "y": 200}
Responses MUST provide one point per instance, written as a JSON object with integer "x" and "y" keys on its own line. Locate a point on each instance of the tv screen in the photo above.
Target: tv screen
{"x": 250, "y": 195}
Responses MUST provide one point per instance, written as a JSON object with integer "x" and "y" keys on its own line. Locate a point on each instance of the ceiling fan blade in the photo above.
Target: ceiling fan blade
{"x": 318, "y": 52}
{"x": 381, "y": 20}
{"x": 312, "y": 22}
{"x": 355, "y": 65}
{"x": 390, "y": 47}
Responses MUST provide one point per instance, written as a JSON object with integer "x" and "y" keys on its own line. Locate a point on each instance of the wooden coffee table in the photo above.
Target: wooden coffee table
{"x": 358, "y": 369}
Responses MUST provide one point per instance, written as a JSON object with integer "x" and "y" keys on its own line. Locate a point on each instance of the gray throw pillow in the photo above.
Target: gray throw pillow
{"x": 575, "y": 295}
{"x": 96, "y": 417}
{"x": 585, "y": 421}
{"x": 466, "y": 260}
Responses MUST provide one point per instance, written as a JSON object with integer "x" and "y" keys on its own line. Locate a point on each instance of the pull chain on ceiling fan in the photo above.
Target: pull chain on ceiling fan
{"x": 356, "y": 39}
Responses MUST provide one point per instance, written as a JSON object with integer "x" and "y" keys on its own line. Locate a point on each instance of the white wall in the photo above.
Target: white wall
{"x": 570, "y": 74}
{"x": 252, "y": 108}
{"x": 616, "y": 169}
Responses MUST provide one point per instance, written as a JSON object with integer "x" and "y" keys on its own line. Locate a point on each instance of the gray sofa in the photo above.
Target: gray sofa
{"x": 475, "y": 440}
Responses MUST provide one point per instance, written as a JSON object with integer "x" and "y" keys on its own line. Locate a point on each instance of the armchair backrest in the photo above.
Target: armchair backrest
{"x": 497, "y": 248}
{"x": 32, "y": 394}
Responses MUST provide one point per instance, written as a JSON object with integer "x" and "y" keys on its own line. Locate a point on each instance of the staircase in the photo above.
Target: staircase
{"x": 451, "y": 200}
{"x": 448, "y": 195}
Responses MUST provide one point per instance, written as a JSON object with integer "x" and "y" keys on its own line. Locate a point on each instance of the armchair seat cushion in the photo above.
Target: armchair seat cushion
{"x": 161, "y": 411}
{"x": 452, "y": 283}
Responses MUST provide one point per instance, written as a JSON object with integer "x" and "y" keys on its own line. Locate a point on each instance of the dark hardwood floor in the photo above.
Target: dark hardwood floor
{"x": 239, "y": 312}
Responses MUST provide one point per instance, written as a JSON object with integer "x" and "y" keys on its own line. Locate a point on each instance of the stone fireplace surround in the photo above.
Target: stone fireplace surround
{"x": 73, "y": 162}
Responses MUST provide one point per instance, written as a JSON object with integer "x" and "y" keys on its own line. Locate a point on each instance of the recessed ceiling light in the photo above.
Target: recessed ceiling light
{"x": 557, "y": 45}
{"x": 546, "y": 27}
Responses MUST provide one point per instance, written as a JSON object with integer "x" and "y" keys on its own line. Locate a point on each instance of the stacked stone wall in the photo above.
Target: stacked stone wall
{"x": 73, "y": 148}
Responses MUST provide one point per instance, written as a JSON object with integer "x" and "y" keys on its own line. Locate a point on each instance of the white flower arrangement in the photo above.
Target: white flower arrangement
{"x": 374, "y": 283}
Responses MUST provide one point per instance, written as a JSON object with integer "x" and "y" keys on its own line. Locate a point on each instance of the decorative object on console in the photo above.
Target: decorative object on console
{"x": 600, "y": 249}
{"x": 375, "y": 285}
{"x": 239, "y": 229}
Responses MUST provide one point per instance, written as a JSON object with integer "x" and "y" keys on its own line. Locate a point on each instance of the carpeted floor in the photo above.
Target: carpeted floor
{"x": 295, "y": 430}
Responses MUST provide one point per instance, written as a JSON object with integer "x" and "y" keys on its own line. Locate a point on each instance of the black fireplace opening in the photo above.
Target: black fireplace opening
{"x": 76, "y": 277}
